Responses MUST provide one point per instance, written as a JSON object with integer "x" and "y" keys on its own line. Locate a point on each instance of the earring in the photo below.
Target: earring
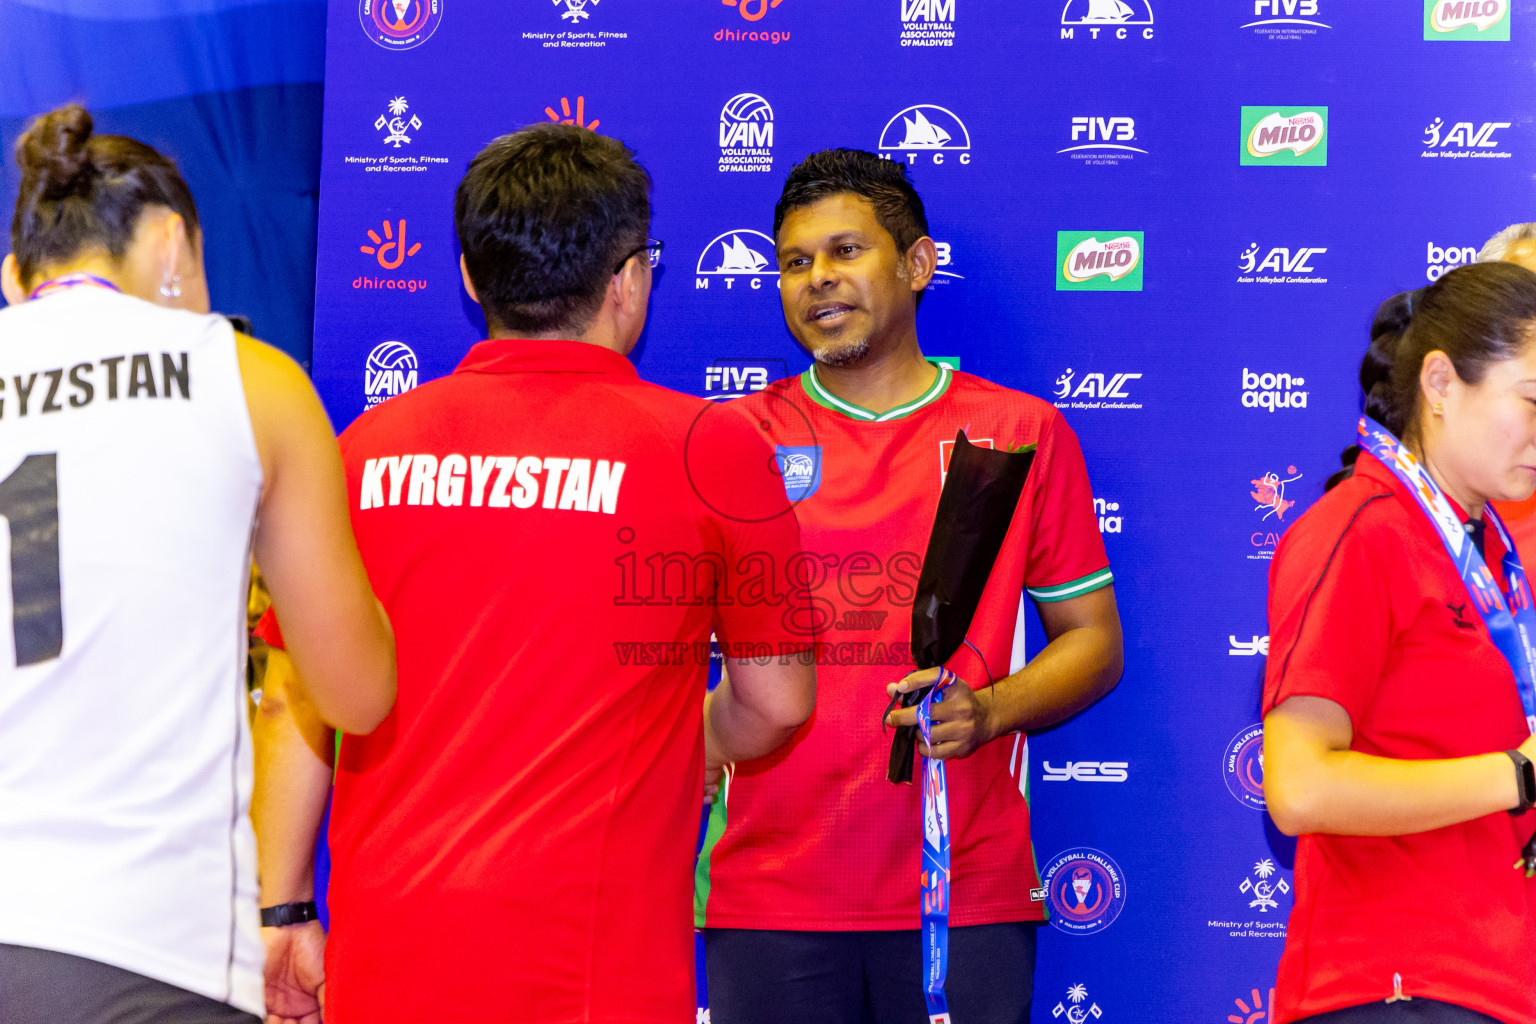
{"x": 1439, "y": 409}
{"x": 174, "y": 291}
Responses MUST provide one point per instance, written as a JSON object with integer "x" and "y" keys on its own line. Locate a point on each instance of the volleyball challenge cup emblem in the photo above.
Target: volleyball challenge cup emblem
{"x": 400, "y": 24}
{"x": 1085, "y": 890}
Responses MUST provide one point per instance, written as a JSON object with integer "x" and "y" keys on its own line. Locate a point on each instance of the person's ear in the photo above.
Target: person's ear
{"x": 1436, "y": 376}
{"x": 10, "y": 280}
{"x": 634, "y": 285}
{"x": 469, "y": 286}
{"x": 922, "y": 259}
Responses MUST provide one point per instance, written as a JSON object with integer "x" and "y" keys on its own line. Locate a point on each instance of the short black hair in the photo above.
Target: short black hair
{"x": 544, "y": 215}
{"x": 883, "y": 183}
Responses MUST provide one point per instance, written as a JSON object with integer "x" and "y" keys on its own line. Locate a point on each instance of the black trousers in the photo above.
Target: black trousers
{"x": 1404, "y": 1011}
{"x": 773, "y": 977}
{"x": 39, "y": 986}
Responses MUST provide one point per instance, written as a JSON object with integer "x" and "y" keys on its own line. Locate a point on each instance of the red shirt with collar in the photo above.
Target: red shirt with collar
{"x": 1366, "y": 609}
{"x": 549, "y": 535}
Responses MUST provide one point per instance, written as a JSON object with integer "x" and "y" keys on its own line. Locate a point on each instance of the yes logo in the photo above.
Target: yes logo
{"x": 390, "y": 250}
{"x": 1285, "y": 136}
{"x": 1098, "y": 261}
{"x": 1475, "y": 20}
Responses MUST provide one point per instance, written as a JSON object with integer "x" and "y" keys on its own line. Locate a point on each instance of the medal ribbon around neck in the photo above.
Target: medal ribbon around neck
{"x": 934, "y": 906}
{"x": 68, "y": 281}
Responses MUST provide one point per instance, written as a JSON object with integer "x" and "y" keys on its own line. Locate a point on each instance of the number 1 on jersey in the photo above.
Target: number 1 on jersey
{"x": 29, "y": 501}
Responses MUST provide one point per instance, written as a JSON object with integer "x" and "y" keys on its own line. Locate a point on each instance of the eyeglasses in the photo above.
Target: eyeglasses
{"x": 652, "y": 250}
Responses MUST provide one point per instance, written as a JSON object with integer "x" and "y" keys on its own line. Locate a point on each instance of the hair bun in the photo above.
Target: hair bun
{"x": 56, "y": 150}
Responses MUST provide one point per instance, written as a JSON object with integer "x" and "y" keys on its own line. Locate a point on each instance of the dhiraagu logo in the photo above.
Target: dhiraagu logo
{"x": 1285, "y": 137}
{"x": 1482, "y": 21}
{"x": 1098, "y": 261}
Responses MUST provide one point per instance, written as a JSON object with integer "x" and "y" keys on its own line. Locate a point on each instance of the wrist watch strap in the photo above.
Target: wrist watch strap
{"x": 1525, "y": 781}
{"x": 285, "y": 914}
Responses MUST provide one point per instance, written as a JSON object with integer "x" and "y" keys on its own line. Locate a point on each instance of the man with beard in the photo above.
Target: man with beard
{"x": 808, "y": 883}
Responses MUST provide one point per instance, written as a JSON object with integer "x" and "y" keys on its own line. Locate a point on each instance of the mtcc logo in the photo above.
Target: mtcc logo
{"x": 1440, "y": 260}
{"x": 400, "y": 24}
{"x": 1279, "y": 265}
{"x": 1269, "y": 492}
{"x": 1261, "y": 890}
{"x": 575, "y": 10}
{"x": 927, "y": 22}
{"x": 1077, "y": 1013}
{"x": 746, "y": 134}
{"x": 1242, "y": 766}
{"x": 1115, "y": 19}
{"x": 394, "y": 124}
{"x": 1257, "y": 647}
{"x": 1478, "y": 20}
{"x": 1098, "y": 261}
{"x": 1105, "y": 512}
{"x": 1272, "y": 391}
{"x": 1085, "y": 890}
{"x": 742, "y": 253}
{"x": 1088, "y": 771}
{"x": 390, "y": 370}
{"x": 926, "y": 128}
{"x": 1463, "y": 139}
{"x": 1285, "y": 136}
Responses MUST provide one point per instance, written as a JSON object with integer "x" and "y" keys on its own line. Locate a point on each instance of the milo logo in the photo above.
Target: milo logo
{"x": 1099, "y": 260}
{"x": 1466, "y": 19}
{"x": 1285, "y": 136}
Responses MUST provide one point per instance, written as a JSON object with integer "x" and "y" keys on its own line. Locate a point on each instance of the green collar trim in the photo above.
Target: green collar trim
{"x": 818, "y": 393}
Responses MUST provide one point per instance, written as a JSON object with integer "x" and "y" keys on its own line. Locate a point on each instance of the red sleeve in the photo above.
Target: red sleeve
{"x": 1066, "y": 551}
{"x": 1330, "y": 618}
{"x": 268, "y": 630}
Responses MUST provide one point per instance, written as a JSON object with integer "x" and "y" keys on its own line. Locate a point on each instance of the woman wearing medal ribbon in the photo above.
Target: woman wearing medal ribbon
{"x": 1398, "y": 693}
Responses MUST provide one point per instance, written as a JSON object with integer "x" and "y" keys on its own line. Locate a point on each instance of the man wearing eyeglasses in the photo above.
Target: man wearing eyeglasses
{"x": 514, "y": 842}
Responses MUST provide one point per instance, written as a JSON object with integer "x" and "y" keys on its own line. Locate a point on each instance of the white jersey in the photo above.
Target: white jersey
{"x": 129, "y": 482}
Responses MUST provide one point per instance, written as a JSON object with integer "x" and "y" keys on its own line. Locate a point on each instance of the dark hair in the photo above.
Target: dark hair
{"x": 1479, "y": 314}
{"x": 884, "y": 183}
{"x": 81, "y": 191}
{"x": 544, "y": 217}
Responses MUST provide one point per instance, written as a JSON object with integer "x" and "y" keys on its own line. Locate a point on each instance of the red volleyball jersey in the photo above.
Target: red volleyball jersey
{"x": 1366, "y": 610}
{"x": 814, "y": 837}
{"x": 552, "y": 538}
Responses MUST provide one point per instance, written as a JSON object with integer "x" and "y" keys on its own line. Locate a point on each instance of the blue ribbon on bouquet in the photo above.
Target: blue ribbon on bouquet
{"x": 935, "y": 878}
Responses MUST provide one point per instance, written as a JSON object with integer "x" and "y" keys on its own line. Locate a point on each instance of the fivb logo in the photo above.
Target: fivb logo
{"x": 1279, "y": 266}
{"x": 1464, "y": 139}
{"x": 946, "y": 259}
{"x": 927, "y": 22}
{"x": 1103, "y": 140}
{"x": 1285, "y": 12}
{"x": 1440, "y": 260}
{"x": 725, "y": 379}
{"x": 390, "y": 370}
{"x": 1086, "y": 19}
{"x": 746, "y": 134}
{"x": 1285, "y": 136}
{"x": 1475, "y": 20}
{"x": 1098, "y": 261}
{"x": 741, "y": 253}
{"x": 1273, "y": 391}
{"x": 926, "y": 128}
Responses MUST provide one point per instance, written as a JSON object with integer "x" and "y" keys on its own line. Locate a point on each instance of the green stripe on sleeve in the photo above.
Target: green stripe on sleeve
{"x": 1073, "y": 588}
{"x": 712, "y": 834}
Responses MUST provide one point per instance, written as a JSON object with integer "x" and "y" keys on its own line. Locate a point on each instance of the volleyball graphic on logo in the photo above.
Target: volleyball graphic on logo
{"x": 391, "y": 370}
{"x": 1085, "y": 890}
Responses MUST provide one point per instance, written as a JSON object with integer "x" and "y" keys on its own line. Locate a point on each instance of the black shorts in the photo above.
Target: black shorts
{"x": 772, "y": 977}
{"x": 1404, "y": 1011}
{"x": 39, "y": 986}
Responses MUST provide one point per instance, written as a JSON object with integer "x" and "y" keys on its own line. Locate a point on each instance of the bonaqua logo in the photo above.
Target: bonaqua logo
{"x": 1464, "y": 139}
{"x": 1242, "y": 767}
{"x": 926, "y": 128}
{"x": 746, "y": 134}
{"x": 927, "y": 22}
{"x": 1107, "y": 19}
{"x": 400, "y": 24}
{"x": 1467, "y": 20}
{"x": 1439, "y": 260}
{"x": 389, "y": 371}
{"x": 1273, "y": 391}
{"x": 1284, "y": 136}
{"x": 1085, "y": 889}
{"x": 1279, "y": 265}
{"x": 1107, "y": 514}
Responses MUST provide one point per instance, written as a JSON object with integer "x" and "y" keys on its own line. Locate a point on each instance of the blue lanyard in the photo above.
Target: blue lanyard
{"x": 935, "y": 884}
{"x": 1511, "y": 618}
{"x": 75, "y": 280}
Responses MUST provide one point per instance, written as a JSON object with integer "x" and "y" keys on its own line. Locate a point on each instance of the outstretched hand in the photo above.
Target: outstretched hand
{"x": 295, "y": 973}
{"x": 961, "y": 721}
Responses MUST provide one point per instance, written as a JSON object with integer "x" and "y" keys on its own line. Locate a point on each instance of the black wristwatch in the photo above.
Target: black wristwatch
{"x": 285, "y": 914}
{"x": 1525, "y": 779}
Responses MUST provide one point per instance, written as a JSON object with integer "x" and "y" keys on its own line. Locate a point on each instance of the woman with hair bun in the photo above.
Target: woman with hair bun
{"x": 146, "y": 450}
{"x": 1400, "y": 691}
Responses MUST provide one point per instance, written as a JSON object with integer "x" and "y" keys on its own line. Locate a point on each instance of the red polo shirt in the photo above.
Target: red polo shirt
{"x": 550, "y": 535}
{"x": 1366, "y": 609}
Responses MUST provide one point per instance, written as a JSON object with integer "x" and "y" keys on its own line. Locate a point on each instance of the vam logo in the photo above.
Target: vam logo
{"x": 1088, "y": 771}
{"x": 742, "y": 253}
{"x": 1464, "y": 139}
{"x": 1258, "y": 646}
{"x": 926, "y": 128}
{"x": 1114, "y": 18}
{"x": 1093, "y": 389}
{"x": 1475, "y": 20}
{"x": 800, "y": 466}
{"x": 1242, "y": 766}
{"x": 732, "y": 378}
{"x": 1098, "y": 261}
{"x": 400, "y": 24}
{"x": 1285, "y": 136}
{"x": 1440, "y": 260}
{"x": 1103, "y": 140}
{"x": 389, "y": 371}
{"x": 927, "y": 22}
{"x": 1272, "y": 391}
{"x": 1285, "y": 19}
{"x": 1085, "y": 890}
{"x": 746, "y": 134}
{"x": 1105, "y": 512}
{"x": 1279, "y": 266}
{"x": 1077, "y": 1013}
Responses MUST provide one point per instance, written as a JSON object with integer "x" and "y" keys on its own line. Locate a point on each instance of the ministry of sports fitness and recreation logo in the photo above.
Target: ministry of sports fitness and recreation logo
{"x": 1285, "y": 20}
{"x": 400, "y": 24}
{"x": 1085, "y": 890}
{"x": 746, "y": 134}
{"x": 1095, "y": 390}
{"x": 576, "y": 11}
{"x": 1464, "y": 139}
{"x": 1439, "y": 259}
{"x": 1106, "y": 19}
{"x": 1272, "y": 391}
{"x": 1280, "y": 265}
{"x": 1467, "y": 20}
{"x": 397, "y": 126}
{"x": 1098, "y": 261}
{"x": 1284, "y": 137}
{"x": 926, "y": 128}
{"x": 1077, "y": 1008}
{"x": 739, "y": 255}
{"x": 927, "y": 22}
{"x": 1265, "y": 888}
{"x": 1242, "y": 767}
{"x": 390, "y": 249}
{"x": 1103, "y": 140}
{"x": 391, "y": 370}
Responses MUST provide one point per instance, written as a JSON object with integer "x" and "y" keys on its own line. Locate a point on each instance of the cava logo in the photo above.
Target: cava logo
{"x": 1107, "y": 19}
{"x": 400, "y": 24}
{"x": 1440, "y": 260}
{"x": 390, "y": 371}
{"x": 746, "y": 134}
{"x": 1279, "y": 266}
{"x": 1242, "y": 767}
{"x": 732, "y": 378}
{"x": 1463, "y": 139}
{"x": 1106, "y": 513}
{"x": 1085, "y": 890}
{"x": 1477, "y": 20}
{"x": 1285, "y": 19}
{"x": 927, "y": 22}
{"x": 1095, "y": 391}
{"x": 1269, "y": 491}
{"x": 1285, "y": 136}
{"x": 743, "y": 253}
{"x": 926, "y": 128}
{"x": 1098, "y": 261}
{"x": 1103, "y": 140}
{"x": 1272, "y": 391}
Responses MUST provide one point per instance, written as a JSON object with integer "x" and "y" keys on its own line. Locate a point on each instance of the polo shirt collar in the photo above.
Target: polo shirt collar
{"x": 522, "y": 355}
{"x": 1368, "y": 465}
